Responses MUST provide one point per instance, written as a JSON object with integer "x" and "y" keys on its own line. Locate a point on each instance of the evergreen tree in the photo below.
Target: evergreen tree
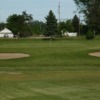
{"x": 75, "y": 23}
{"x": 51, "y": 25}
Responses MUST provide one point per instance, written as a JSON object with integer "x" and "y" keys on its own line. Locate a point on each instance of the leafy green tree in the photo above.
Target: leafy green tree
{"x": 27, "y": 27}
{"x": 91, "y": 10}
{"x": 62, "y": 26}
{"x": 27, "y": 17}
{"x": 38, "y": 27}
{"x": 69, "y": 25}
{"x": 2, "y": 25}
{"x": 66, "y": 26}
{"x": 12, "y": 23}
{"x": 51, "y": 25}
{"x": 84, "y": 29}
{"x": 90, "y": 35}
{"x": 20, "y": 24}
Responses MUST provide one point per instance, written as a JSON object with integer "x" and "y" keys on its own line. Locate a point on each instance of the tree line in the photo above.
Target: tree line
{"x": 23, "y": 25}
{"x": 91, "y": 11}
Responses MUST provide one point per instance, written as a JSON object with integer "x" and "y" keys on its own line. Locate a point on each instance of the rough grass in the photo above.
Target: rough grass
{"x": 60, "y": 70}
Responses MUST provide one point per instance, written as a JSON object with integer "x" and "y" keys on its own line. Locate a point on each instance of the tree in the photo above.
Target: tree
{"x": 91, "y": 10}
{"x": 2, "y": 25}
{"x": 69, "y": 25}
{"x": 20, "y": 24}
{"x": 38, "y": 27}
{"x": 62, "y": 27}
{"x": 27, "y": 27}
{"x": 75, "y": 23}
{"x": 66, "y": 26}
{"x": 12, "y": 23}
{"x": 89, "y": 35}
{"x": 84, "y": 29}
{"x": 51, "y": 25}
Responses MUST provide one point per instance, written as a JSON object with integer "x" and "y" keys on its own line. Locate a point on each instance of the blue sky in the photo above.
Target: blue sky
{"x": 38, "y": 8}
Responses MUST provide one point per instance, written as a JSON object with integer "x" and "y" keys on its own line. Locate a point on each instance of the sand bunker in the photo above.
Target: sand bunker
{"x": 96, "y": 54}
{"x": 13, "y": 55}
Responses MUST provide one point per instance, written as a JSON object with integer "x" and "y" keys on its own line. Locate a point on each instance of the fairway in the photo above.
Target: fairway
{"x": 56, "y": 70}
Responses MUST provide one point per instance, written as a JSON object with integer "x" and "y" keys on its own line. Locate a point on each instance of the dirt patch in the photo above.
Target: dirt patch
{"x": 96, "y": 54}
{"x": 13, "y": 55}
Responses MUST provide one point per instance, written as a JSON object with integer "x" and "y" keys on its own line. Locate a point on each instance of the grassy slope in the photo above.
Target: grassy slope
{"x": 61, "y": 70}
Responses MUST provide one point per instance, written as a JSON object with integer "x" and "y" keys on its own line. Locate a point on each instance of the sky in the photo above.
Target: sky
{"x": 38, "y": 8}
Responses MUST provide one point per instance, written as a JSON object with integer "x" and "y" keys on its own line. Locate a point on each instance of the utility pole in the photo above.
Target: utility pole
{"x": 59, "y": 31}
{"x": 59, "y": 12}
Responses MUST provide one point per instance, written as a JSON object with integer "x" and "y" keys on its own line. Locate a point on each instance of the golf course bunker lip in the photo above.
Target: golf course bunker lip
{"x": 96, "y": 54}
{"x": 13, "y": 55}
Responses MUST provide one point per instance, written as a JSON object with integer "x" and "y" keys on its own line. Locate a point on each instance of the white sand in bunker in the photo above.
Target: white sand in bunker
{"x": 96, "y": 54}
{"x": 13, "y": 55}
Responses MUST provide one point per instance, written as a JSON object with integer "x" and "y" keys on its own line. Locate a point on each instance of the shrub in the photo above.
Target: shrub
{"x": 89, "y": 35}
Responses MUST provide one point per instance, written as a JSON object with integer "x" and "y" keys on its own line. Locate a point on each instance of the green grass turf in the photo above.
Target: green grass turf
{"x": 60, "y": 70}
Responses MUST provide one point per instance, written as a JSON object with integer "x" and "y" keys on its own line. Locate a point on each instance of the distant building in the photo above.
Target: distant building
{"x": 70, "y": 34}
{"x": 6, "y": 33}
